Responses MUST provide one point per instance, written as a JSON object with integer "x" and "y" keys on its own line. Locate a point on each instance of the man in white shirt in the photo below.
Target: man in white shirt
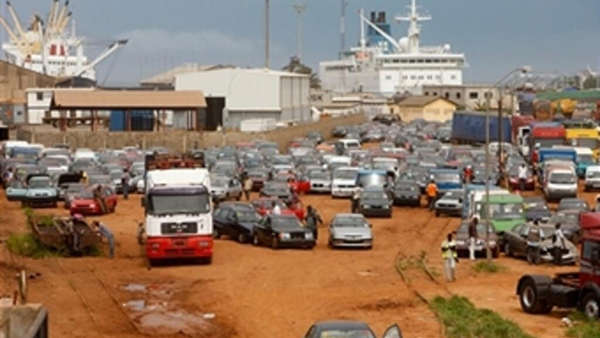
{"x": 559, "y": 243}
{"x": 522, "y": 176}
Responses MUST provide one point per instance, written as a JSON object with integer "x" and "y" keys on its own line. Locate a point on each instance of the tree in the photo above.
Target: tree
{"x": 295, "y": 66}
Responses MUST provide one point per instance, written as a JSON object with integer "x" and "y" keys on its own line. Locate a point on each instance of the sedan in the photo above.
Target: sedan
{"x": 536, "y": 208}
{"x": 223, "y": 188}
{"x": 406, "y": 193}
{"x": 517, "y": 244}
{"x": 348, "y": 329}
{"x": 278, "y": 231}
{"x": 320, "y": 181}
{"x": 277, "y": 189}
{"x": 568, "y": 203}
{"x": 85, "y": 204}
{"x": 374, "y": 201}
{"x": 236, "y": 220}
{"x": 463, "y": 240}
{"x": 350, "y": 231}
{"x": 451, "y": 203}
{"x": 265, "y": 205}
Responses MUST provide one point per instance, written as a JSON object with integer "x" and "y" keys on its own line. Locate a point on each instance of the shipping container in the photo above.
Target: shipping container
{"x": 469, "y": 127}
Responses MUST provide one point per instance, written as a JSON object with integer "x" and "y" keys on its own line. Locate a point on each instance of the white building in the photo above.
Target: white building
{"x": 39, "y": 101}
{"x": 237, "y": 94}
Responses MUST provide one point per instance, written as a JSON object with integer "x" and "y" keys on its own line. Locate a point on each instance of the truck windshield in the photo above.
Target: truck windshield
{"x": 549, "y": 142}
{"x": 562, "y": 178}
{"x": 506, "y": 211}
{"x": 180, "y": 204}
{"x": 447, "y": 177}
{"x": 587, "y": 158}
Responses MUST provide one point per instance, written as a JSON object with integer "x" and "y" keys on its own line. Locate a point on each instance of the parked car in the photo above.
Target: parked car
{"x": 592, "y": 178}
{"x": 236, "y": 220}
{"x": 406, "y": 192}
{"x": 223, "y": 188}
{"x": 536, "y": 208}
{"x": 259, "y": 176}
{"x": 569, "y": 220}
{"x": 277, "y": 189}
{"x": 85, "y": 204}
{"x": 516, "y": 244}
{"x": 451, "y": 203}
{"x": 64, "y": 180}
{"x": 279, "y": 231}
{"x": 374, "y": 201}
{"x": 16, "y": 190}
{"x": 350, "y": 231}
{"x": 515, "y": 183}
{"x": 463, "y": 240}
{"x": 71, "y": 191}
{"x": 264, "y": 206}
{"x": 569, "y": 203}
{"x": 560, "y": 183}
{"x": 40, "y": 192}
{"x": 320, "y": 181}
{"x": 343, "y": 181}
{"x": 348, "y": 329}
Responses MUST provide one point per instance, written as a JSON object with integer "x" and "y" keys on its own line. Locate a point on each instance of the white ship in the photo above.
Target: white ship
{"x": 381, "y": 64}
{"x": 49, "y": 47}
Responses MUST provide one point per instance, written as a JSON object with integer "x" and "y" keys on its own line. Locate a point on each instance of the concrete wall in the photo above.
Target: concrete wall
{"x": 179, "y": 141}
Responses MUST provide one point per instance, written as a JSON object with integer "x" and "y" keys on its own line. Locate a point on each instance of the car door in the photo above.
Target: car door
{"x": 228, "y": 218}
{"x": 259, "y": 230}
{"x": 267, "y": 231}
{"x": 510, "y": 236}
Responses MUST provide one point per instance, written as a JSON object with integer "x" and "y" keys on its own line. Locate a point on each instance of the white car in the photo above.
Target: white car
{"x": 343, "y": 182}
{"x": 592, "y": 178}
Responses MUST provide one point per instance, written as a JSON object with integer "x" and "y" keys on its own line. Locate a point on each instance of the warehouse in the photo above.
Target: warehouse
{"x": 237, "y": 94}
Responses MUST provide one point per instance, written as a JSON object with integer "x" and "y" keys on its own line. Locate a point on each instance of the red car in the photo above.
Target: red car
{"x": 513, "y": 179}
{"x": 85, "y": 204}
{"x": 301, "y": 185}
{"x": 264, "y": 206}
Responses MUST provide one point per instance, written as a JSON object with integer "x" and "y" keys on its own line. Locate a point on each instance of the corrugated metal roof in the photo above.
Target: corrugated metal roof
{"x": 134, "y": 99}
{"x": 421, "y": 101}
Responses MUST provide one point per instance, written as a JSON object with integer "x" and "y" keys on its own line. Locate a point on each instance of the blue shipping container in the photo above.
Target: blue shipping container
{"x": 141, "y": 120}
{"x": 117, "y": 120}
{"x": 469, "y": 127}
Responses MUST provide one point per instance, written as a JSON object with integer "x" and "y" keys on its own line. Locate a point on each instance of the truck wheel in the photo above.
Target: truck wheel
{"x": 529, "y": 298}
{"x": 275, "y": 243}
{"x": 591, "y": 305}
{"x": 242, "y": 238}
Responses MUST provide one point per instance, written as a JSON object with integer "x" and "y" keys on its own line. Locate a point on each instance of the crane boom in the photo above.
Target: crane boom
{"x": 11, "y": 34}
{"x": 111, "y": 49}
{"x": 15, "y": 18}
{"x": 52, "y": 13}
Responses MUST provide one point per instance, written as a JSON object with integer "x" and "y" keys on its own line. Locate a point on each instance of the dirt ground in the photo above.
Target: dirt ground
{"x": 257, "y": 292}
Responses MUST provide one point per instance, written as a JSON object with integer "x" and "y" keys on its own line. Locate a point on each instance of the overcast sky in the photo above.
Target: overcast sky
{"x": 495, "y": 35}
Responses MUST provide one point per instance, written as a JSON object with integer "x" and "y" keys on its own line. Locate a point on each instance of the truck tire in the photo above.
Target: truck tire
{"x": 529, "y": 299}
{"x": 591, "y": 305}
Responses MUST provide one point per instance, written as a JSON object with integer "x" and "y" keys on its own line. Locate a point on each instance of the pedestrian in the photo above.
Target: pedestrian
{"x": 248, "y": 187}
{"x": 450, "y": 257}
{"x": 534, "y": 238}
{"x": 432, "y": 192}
{"x": 105, "y": 232}
{"x": 8, "y": 176}
{"x": 473, "y": 237}
{"x": 468, "y": 174}
{"x": 276, "y": 208}
{"x": 356, "y": 200}
{"x": 125, "y": 184}
{"x": 99, "y": 198}
{"x": 522, "y": 176}
{"x": 559, "y": 244}
{"x": 313, "y": 219}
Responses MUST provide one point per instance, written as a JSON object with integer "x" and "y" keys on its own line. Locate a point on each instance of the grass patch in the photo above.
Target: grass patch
{"x": 583, "y": 327}
{"x": 27, "y": 245}
{"x": 488, "y": 266}
{"x": 462, "y": 320}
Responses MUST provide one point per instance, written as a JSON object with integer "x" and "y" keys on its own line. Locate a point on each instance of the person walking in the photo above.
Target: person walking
{"x": 125, "y": 184}
{"x": 99, "y": 198}
{"x": 450, "y": 257}
{"x": 247, "y": 187}
{"x": 534, "y": 238}
{"x": 105, "y": 232}
{"x": 432, "y": 191}
{"x": 468, "y": 174}
{"x": 559, "y": 244}
{"x": 522, "y": 176}
{"x": 313, "y": 219}
{"x": 473, "y": 237}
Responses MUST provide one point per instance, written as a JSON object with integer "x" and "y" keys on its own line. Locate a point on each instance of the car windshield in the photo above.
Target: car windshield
{"x": 447, "y": 177}
{"x": 345, "y": 174}
{"x": 278, "y": 189}
{"x": 536, "y": 205}
{"x": 562, "y": 178}
{"x": 349, "y": 222}
{"x": 453, "y": 195}
{"x": 353, "y": 333}
{"x": 319, "y": 175}
{"x": 572, "y": 205}
{"x": 374, "y": 195}
{"x": 99, "y": 180}
{"x": 39, "y": 184}
{"x": 247, "y": 216}
{"x": 587, "y": 158}
{"x": 593, "y": 173}
{"x": 178, "y": 204}
{"x": 372, "y": 179}
{"x": 285, "y": 222}
{"x": 506, "y": 211}
{"x": 406, "y": 187}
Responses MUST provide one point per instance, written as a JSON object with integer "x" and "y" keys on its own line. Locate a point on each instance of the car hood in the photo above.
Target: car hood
{"x": 506, "y": 224}
{"x": 350, "y": 231}
{"x": 49, "y": 191}
{"x": 290, "y": 229}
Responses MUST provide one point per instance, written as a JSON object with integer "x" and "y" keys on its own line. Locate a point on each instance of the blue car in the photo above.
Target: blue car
{"x": 16, "y": 191}
{"x": 40, "y": 192}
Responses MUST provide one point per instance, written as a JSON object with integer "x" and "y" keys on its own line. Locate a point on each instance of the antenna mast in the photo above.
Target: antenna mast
{"x": 414, "y": 29}
{"x": 344, "y": 4}
{"x": 300, "y": 9}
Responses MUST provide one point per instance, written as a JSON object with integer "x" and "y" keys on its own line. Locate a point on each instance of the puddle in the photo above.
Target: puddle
{"x": 172, "y": 322}
{"x": 134, "y": 287}
{"x": 135, "y": 305}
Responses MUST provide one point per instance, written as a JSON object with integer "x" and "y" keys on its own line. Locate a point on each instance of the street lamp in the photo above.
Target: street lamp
{"x": 488, "y": 96}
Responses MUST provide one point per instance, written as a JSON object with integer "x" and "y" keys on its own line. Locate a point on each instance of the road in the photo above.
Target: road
{"x": 259, "y": 292}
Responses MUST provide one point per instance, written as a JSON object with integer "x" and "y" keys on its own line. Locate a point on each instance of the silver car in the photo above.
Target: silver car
{"x": 223, "y": 188}
{"x": 350, "y": 231}
{"x": 320, "y": 181}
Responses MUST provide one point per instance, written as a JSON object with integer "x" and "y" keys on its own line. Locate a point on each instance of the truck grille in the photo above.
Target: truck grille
{"x": 179, "y": 228}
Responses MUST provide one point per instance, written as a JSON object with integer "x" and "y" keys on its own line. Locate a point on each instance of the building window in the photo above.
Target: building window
{"x": 39, "y": 96}
{"x": 458, "y": 96}
{"x": 474, "y": 95}
{"x": 453, "y": 77}
{"x": 405, "y": 77}
{"x": 434, "y": 93}
{"x": 421, "y": 77}
{"x": 413, "y": 77}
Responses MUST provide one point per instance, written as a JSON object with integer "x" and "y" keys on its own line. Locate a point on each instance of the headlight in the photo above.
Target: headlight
{"x": 367, "y": 206}
{"x": 308, "y": 235}
{"x": 386, "y": 206}
{"x": 284, "y": 235}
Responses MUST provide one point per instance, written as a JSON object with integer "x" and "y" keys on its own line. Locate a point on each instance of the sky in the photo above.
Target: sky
{"x": 496, "y": 36}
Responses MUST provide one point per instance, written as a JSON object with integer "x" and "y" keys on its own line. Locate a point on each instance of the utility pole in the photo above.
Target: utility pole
{"x": 486, "y": 209}
{"x": 300, "y": 9}
{"x": 344, "y": 4}
{"x": 267, "y": 32}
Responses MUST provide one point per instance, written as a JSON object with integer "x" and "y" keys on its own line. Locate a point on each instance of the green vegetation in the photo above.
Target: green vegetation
{"x": 488, "y": 266}
{"x": 462, "y": 320}
{"x": 405, "y": 263}
{"x": 27, "y": 245}
{"x": 584, "y": 327}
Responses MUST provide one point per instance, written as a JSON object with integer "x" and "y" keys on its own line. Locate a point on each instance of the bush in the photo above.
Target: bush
{"x": 584, "y": 327}
{"x": 488, "y": 267}
{"x": 27, "y": 245}
{"x": 461, "y": 319}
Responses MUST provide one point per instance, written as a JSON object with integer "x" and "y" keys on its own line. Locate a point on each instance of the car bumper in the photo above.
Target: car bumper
{"x": 351, "y": 243}
{"x": 342, "y": 192}
{"x": 558, "y": 194}
{"x": 318, "y": 187}
{"x": 376, "y": 212}
{"x": 85, "y": 210}
{"x": 449, "y": 211}
{"x": 179, "y": 247}
{"x": 40, "y": 200}
{"x": 13, "y": 198}
{"x": 296, "y": 243}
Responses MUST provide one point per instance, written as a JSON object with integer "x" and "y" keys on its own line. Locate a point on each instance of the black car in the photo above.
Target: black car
{"x": 280, "y": 190}
{"x": 236, "y": 220}
{"x": 569, "y": 220}
{"x": 536, "y": 209}
{"x": 374, "y": 202}
{"x": 339, "y": 131}
{"x": 406, "y": 193}
{"x": 279, "y": 231}
{"x": 569, "y": 203}
{"x": 346, "y": 328}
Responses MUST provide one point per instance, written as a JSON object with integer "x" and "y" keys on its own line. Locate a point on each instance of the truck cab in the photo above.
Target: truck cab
{"x": 506, "y": 211}
{"x": 545, "y": 135}
{"x": 178, "y": 211}
{"x": 538, "y": 294}
{"x": 446, "y": 179}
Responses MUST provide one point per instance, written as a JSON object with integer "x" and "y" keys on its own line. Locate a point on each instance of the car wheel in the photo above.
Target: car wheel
{"x": 216, "y": 233}
{"x": 255, "y": 240}
{"x": 275, "y": 243}
{"x": 529, "y": 299}
{"x": 507, "y": 251}
{"x": 242, "y": 238}
{"x": 591, "y": 305}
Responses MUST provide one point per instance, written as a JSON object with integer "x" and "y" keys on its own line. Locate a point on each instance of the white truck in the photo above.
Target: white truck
{"x": 178, "y": 220}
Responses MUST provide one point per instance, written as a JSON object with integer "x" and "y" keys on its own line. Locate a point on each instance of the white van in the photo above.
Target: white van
{"x": 344, "y": 145}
